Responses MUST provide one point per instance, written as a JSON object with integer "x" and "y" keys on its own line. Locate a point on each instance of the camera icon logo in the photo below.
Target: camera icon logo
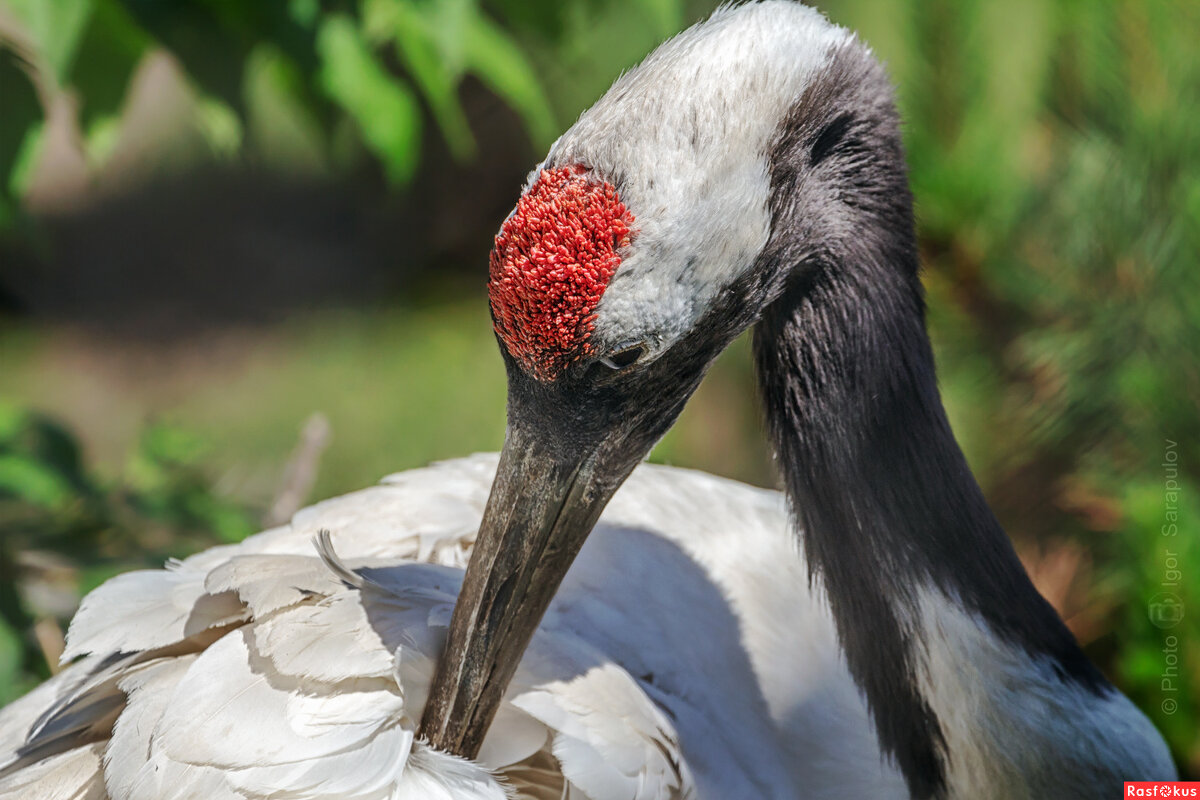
{"x": 1165, "y": 610}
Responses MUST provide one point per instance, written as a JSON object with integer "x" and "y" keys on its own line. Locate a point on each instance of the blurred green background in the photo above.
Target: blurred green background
{"x": 242, "y": 266}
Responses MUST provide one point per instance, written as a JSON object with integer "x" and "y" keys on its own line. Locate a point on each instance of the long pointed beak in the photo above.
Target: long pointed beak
{"x": 541, "y": 509}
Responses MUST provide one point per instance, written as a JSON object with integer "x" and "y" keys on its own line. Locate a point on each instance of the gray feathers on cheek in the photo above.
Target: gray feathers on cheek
{"x": 691, "y": 164}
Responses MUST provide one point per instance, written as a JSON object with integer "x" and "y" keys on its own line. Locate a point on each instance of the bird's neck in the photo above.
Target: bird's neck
{"x": 894, "y": 525}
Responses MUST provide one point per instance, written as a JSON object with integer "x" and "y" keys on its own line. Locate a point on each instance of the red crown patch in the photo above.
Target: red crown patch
{"x": 552, "y": 260}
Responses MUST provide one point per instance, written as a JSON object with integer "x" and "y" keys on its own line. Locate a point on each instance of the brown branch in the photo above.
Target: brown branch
{"x": 301, "y": 471}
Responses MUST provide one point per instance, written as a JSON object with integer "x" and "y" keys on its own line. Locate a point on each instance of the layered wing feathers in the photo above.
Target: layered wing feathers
{"x": 266, "y": 669}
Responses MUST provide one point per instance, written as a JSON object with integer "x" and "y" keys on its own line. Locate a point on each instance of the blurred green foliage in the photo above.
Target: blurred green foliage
{"x": 66, "y": 530}
{"x": 1055, "y": 157}
{"x": 299, "y": 84}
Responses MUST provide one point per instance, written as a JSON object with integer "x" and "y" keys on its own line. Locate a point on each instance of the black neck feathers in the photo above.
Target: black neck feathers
{"x": 881, "y": 490}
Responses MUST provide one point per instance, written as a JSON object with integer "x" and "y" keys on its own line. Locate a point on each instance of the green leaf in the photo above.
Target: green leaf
{"x": 439, "y": 43}
{"x": 20, "y": 110}
{"x": 26, "y": 159}
{"x": 281, "y": 124}
{"x": 384, "y": 109}
{"x": 422, "y": 41}
{"x": 304, "y": 12}
{"x": 109, "y": 51}
{"x": 220, "y": 125}
{"x": 32, "y": 482}
{"x": 101, "y": 140}
{"x": 56, "y": 26}
{"x": 497, "y": 61}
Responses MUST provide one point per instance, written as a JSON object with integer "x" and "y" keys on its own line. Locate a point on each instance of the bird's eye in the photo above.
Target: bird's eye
{"x": 623, "y": 357}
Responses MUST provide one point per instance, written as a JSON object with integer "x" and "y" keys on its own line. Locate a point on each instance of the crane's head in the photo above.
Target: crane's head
{"x": 640, "y": 248}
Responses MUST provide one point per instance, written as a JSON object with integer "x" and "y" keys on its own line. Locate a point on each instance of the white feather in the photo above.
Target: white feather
{"x": 318, "y": 692}
{"x": 73, "y": 775}
{"x": 169, "y": 605}
{"x": 611, "y": 740}
{"x": 1014, "y": 725}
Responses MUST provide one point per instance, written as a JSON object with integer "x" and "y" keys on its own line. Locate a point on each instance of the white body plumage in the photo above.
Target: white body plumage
{"x": 683, "y": 657}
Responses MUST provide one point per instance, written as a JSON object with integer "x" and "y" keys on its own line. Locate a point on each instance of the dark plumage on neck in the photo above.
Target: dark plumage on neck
{"x": 882, "y": 492}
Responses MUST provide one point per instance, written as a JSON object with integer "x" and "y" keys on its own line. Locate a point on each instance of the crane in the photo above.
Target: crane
{"x": 623, "y": 630}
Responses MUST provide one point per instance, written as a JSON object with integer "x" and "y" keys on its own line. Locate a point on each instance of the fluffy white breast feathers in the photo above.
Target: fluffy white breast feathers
{"x": 262, "y": 670}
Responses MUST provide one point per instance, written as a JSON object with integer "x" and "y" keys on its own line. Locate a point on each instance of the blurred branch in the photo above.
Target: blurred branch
{"x": 51, "y": 641}
{"x": 301, "y": 471}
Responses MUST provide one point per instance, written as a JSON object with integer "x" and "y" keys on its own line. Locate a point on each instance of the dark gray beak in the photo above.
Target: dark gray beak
{"x": 542, "y": 507}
